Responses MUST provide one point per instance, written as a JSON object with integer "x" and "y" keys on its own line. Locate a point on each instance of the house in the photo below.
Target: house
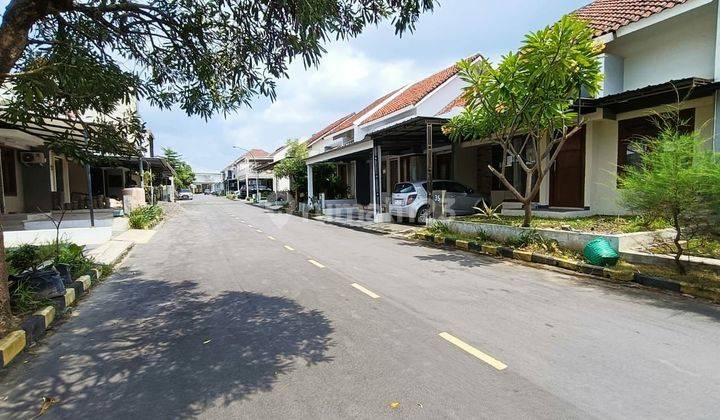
{"x": 244, "y": 171}
{"x": 658, "y": 57}
{"x": 386, "y": 142}
{"x": 206, "y": 181}
{"x": 39, "y": 184}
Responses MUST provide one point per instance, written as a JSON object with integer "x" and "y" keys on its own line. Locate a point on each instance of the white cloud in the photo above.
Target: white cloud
{"x": 346, "y": 80}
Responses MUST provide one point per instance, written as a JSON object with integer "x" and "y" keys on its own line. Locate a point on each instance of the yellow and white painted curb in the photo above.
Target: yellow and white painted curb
{"x": 11, "y": 345}
{"x": 35, "y": 325}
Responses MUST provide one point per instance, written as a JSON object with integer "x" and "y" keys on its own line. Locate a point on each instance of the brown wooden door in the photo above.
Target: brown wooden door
{"x": 567, "y": 177}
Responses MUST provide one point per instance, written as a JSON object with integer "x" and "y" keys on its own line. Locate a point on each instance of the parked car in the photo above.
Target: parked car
{"x": 410, "y": 200}
{"x": 207, "y": 191}
{"x": 185, "y": 194}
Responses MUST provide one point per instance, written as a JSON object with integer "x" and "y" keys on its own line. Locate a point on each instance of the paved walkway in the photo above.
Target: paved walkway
{"x": 232, "y": 311}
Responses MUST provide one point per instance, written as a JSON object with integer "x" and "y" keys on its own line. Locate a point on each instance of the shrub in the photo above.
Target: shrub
{"x": 440, "y": 228}
{"x": 677, "y": 180}
{"x": 27, "y": 257}
{"x": 527, "y": 238}
{"x": 145, "y": 217}
{"x": 24, "y": 299}
{"x": 230, "y": 196}
{"x": 73, "y": 255}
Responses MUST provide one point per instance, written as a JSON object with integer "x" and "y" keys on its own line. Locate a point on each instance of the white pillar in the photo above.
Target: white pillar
{"x": 310, "y": 184}
{"x": 172, "y": 189}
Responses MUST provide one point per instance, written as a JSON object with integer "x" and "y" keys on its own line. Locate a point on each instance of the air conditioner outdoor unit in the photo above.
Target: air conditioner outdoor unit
{"x": 32, "y": 158}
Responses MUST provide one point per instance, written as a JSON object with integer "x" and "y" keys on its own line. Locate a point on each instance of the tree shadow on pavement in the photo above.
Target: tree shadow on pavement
{"x": 462, "y": 258}
{"x": 154, "y": 349}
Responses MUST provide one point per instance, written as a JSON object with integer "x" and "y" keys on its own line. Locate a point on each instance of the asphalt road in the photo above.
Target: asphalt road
{"x": 234, "y": 312}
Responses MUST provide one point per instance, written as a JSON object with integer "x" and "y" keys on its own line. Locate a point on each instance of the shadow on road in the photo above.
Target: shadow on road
{"x": 178, "y": 353}
{"x": 463, "y": 259}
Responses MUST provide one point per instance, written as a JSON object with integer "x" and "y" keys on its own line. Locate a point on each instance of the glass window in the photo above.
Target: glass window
{"x": 456, "y": 187}
{"x": 404, "y": 188}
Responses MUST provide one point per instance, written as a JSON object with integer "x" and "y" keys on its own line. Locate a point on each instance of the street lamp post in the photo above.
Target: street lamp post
{"x": 247, "y": 177}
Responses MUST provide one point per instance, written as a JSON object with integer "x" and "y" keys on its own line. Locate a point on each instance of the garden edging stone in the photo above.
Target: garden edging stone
{"x": 604, "y": 273}
{"x": 37, "y": 324}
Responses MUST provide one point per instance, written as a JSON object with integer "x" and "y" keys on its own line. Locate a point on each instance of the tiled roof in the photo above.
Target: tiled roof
{"x": 349, "y": 122}
{"x": 416, "y": 92}
{"x": 457, "y": 102}
{"x": 606, "y": 16}
{"x": 320, "y": 134}
{"x": 255, "y": 154}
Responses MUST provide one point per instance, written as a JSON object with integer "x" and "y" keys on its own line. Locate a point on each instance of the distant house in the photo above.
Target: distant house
{"x": 206, "y": 181}
{"x": 247, "y": 170}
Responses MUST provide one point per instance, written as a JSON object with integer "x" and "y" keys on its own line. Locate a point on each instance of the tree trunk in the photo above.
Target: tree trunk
{"x": 678, "y": 245}
{"x": 18, "y": 20}
{"x": 527, "y": 206}
{"x": 5, "y": 313}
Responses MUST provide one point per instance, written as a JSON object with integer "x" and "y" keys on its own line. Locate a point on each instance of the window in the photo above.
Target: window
{"x": 456, "y": 187}
{"x": 8, "y": 172}
{"x": 404, "y": 188}
{"x": 633, "y": 131}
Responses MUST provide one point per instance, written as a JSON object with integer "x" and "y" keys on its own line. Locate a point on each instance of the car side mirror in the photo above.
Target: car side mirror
{"x": 470, "y": 191}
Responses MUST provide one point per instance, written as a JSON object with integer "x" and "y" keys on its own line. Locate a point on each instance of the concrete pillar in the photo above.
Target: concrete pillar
{"x": 310, "y": 183}
{"x": 376, "y": 180}
{"x": 172, "y": 189}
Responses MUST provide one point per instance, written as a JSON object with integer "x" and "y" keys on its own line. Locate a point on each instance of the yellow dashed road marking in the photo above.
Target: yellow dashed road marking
{"x": 366, "y": 291}
{"x": 258, "y": 230}
{"x": 271, "y": 238}
{"x": 289, "y": 248}
{"x": 316, "y": 264}
{"x": 475, "y": 352}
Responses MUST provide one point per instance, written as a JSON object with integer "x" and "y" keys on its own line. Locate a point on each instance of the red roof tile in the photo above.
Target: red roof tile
{"x": 255, "y": 154}
{"x": 320, "y": 134}
{"x": 609, "y": 15}
{"x": 350, "y": 121}
{"x": 457, "y": 102}
{"x": 416, "y": 92}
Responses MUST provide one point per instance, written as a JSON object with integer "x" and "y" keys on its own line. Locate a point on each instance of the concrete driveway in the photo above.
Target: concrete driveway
{"x": 231, "y": 311}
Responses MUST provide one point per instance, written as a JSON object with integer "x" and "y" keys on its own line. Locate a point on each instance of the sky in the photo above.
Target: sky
{"x": 352, "y": 74}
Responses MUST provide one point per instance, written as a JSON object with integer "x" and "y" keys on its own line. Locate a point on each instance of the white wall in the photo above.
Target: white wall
{"x": 601, "y": 148}
{"x": 446, "y": 93}
{"x": 680, "y": 47}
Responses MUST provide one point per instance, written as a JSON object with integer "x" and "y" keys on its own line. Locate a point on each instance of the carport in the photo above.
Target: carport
{"x": 388, "y": 155}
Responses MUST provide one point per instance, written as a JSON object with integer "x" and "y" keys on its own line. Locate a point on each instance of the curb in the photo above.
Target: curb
{"x": 38, "y": 323}
{"x": 605, "y": 273}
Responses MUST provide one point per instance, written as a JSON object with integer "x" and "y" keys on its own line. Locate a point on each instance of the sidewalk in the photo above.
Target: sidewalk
{"x": 112, "y": 251}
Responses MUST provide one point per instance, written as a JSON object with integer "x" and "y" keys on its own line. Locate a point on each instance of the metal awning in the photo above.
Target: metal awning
{"x": 52, "y": 130}
{"x": 410, "y": 136}
{"x": 403, "y": 137}
{"x": 670, "y": 92}
{"x": 158, "y": 164}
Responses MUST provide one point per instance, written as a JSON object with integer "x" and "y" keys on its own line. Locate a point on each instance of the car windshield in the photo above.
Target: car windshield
{"x": 404, "y": 188}
{"x": 184, "y": 191}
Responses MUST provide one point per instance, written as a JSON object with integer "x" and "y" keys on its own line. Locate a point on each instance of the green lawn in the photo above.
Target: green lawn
{"x": 599, "y": 224}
